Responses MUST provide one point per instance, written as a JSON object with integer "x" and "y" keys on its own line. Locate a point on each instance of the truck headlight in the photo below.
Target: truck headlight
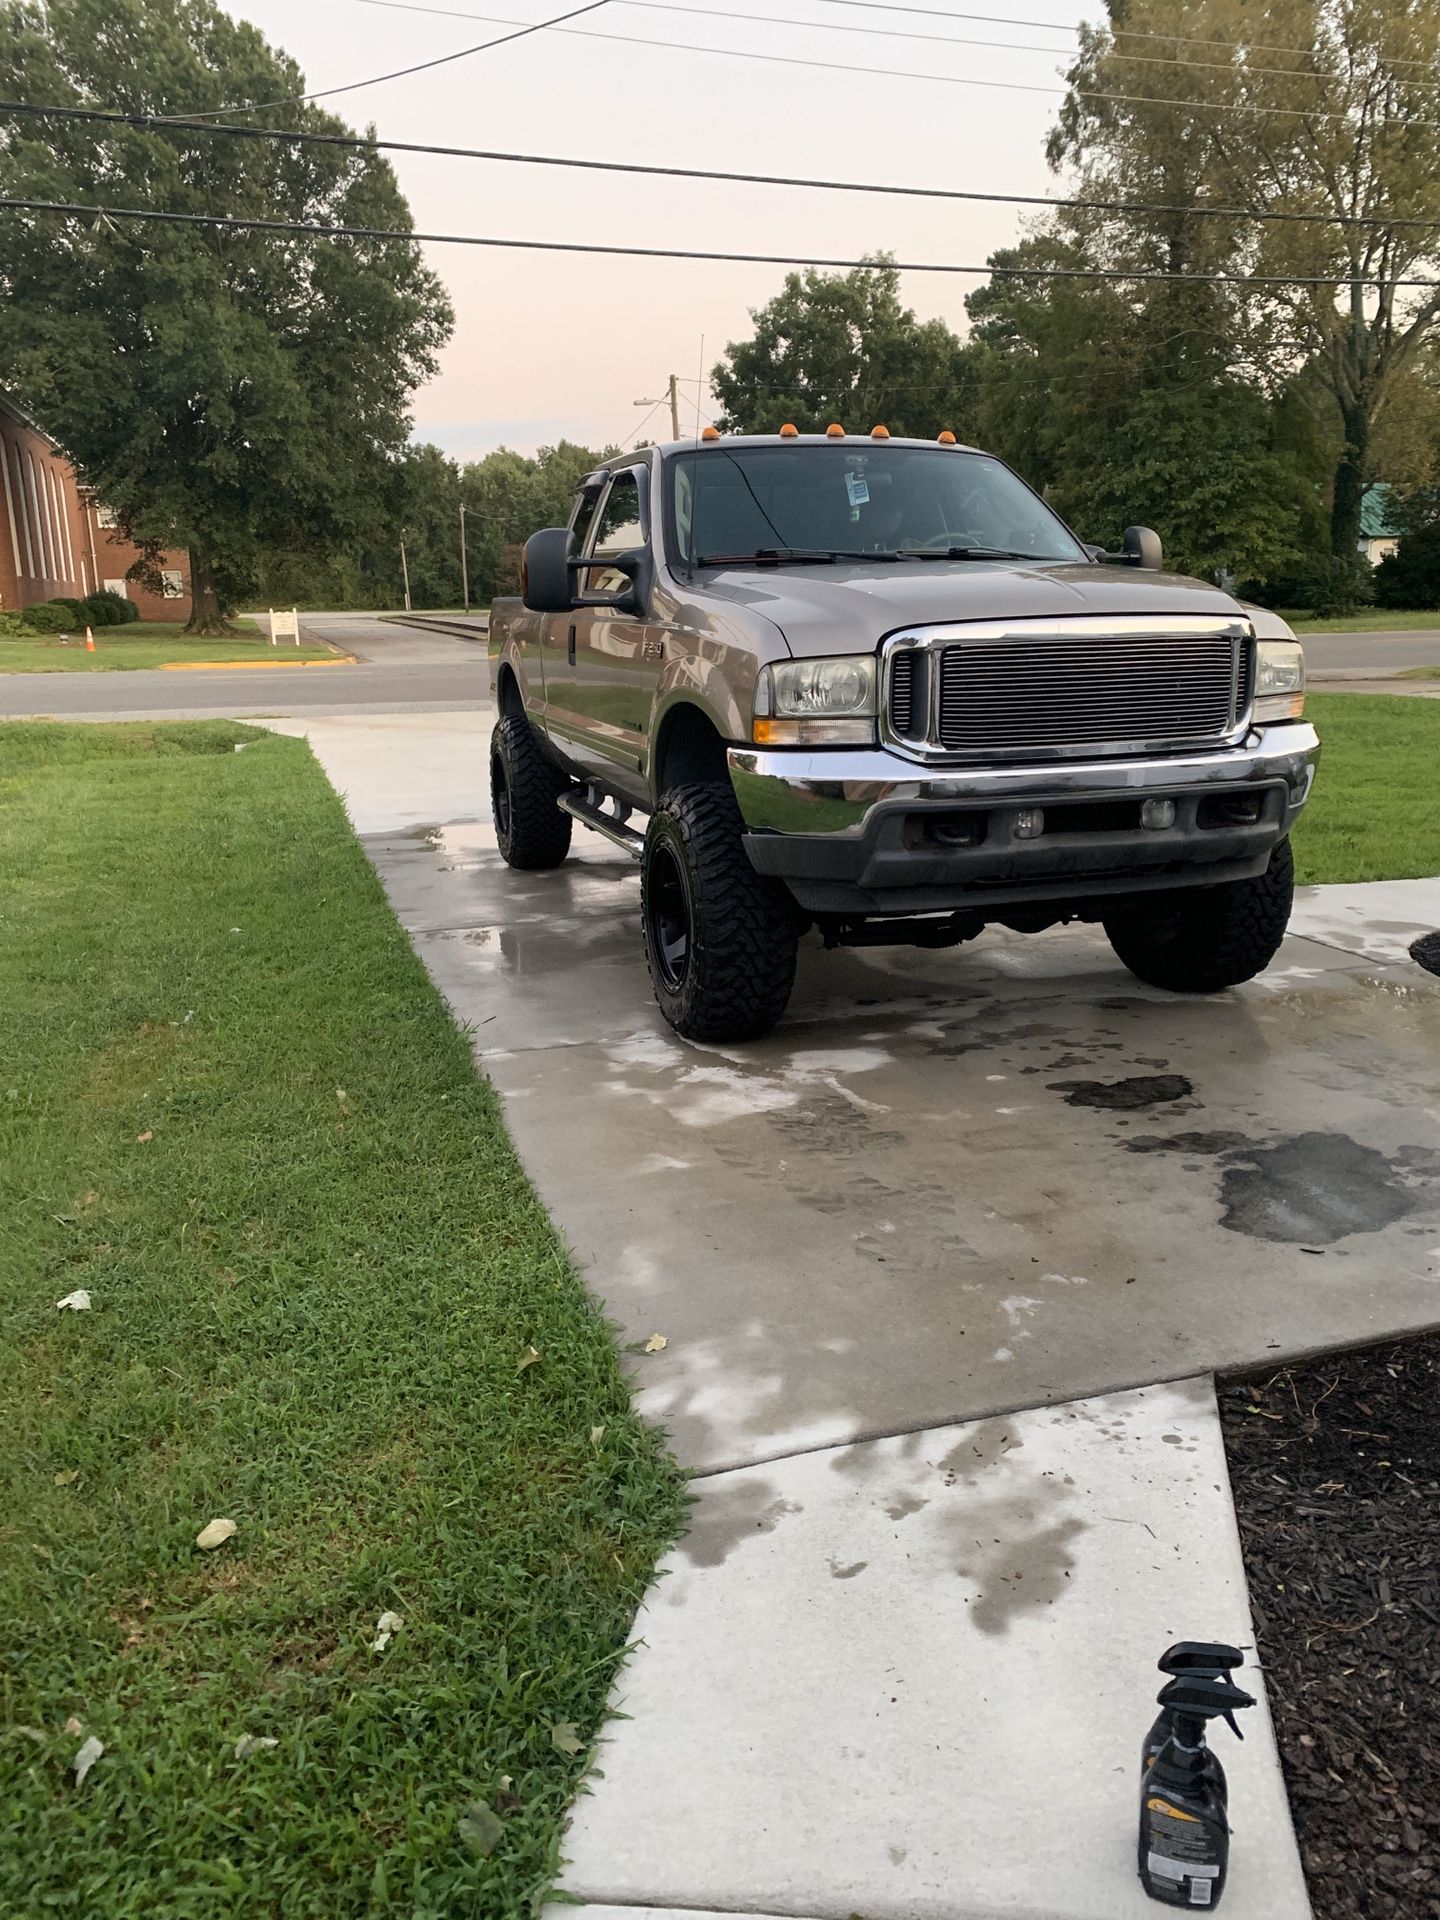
{"x": 802, "y": 703}
{"x": 1279, "y": 680}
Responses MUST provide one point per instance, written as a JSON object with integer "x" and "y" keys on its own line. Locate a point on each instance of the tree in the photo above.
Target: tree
{"x": 233, "y": 392}
{"x": 840, "y": 346}
{"x": 1119, "y": 414}
{"x": 508, "y": 496}
{"x": 1187, "y": 105}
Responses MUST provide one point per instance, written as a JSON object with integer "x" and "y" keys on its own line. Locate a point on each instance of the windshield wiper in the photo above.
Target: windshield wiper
{"x": 972, "y": 553}
{"x": 768, "y": 557}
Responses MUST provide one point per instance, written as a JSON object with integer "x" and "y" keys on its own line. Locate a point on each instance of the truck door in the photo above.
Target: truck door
{"x": 559, "y": 633}
{"x": 618, "y": 656}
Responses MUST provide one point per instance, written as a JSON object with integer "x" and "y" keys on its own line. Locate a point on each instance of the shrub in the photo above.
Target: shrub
{"x": 74, "y": 610}
{"x": 48, "y": 618}
{"x": 100, "y": 613}
{"x": 1411, "y": 576}
{"x": 112, "y": 609}
{"x": 10, "y": 625}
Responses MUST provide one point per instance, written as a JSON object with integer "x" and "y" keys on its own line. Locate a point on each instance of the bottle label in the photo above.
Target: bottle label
{"x": 1181, "y": 1850}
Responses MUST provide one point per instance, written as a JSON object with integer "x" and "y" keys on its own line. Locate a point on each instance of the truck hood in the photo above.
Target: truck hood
{"x": 849, "y": 608}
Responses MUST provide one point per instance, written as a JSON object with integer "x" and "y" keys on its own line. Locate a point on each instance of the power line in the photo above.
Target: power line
{"x": 444, "y": 60}
{"x": 356, "y": 141}
{"x": 328, "y": 232}
{"x": 893, "y": 33}
{"x": 906, "y": 73}
{"x": 1064, "y": 26}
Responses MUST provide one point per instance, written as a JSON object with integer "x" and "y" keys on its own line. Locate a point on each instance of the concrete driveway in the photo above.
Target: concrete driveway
{"x": 902, "y": 1661}
{"x": 949, "y": 1184}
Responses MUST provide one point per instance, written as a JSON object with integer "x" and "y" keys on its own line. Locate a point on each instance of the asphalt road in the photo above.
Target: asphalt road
{"x": 414, "y": 670}
{"x": 397, "y": 670}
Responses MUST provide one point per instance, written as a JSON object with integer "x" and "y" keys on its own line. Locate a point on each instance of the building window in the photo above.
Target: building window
{"x": 104, "y": 516}
{"x": 172, "y": 584}
{"x": 115, "y": 586}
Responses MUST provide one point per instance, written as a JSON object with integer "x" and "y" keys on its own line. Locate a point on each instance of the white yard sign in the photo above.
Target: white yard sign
{"x": 284, "y": 626}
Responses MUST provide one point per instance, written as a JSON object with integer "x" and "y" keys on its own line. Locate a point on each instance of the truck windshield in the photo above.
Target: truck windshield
{"x": 771, "y": 505}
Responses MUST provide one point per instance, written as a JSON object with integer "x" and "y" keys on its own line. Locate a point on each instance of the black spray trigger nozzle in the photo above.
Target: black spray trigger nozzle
{"x": 1201, "y": 1656}
{"x": 1206, "y": 1696}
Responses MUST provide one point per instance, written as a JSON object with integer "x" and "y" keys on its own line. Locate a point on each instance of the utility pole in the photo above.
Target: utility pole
{"x": 464, "y": 563}
{"x": 673, "y": 396}
{"x": 405, "y": 576}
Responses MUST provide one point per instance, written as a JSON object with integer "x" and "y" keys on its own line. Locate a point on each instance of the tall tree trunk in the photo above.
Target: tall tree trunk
{"x": 206, "y": 614}
{"x": 1352, "y": 476}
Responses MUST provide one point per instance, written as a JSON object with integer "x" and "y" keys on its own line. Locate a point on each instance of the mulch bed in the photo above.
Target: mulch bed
{"x": 1336, "y": 1469}
{"x": 1427, "y": 951}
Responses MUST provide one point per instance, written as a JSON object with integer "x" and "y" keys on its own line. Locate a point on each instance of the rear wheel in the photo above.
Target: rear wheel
{"x": 720, "y": 941}
{"x": 524, "y": 787}
{"x": 1212, "y": 938}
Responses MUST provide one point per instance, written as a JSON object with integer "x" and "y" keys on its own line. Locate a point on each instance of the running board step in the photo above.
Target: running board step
{"x": 603, "y": 823}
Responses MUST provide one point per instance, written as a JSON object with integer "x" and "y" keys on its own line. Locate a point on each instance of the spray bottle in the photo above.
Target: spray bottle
{"x": 1184, "y": 1845}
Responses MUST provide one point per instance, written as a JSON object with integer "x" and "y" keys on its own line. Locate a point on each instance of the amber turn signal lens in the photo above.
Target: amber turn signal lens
{"x": 947, "y": 439}
{"x": 879, "y": 433}
{"x": 789, "y": 432}
{"x": 835, "y": 431}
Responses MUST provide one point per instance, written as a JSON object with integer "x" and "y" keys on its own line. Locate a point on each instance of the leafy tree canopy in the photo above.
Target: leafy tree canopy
{"x": 236, "y": 393}
{"x": 1344, "y": 130}
{"x": 840, "y": 346}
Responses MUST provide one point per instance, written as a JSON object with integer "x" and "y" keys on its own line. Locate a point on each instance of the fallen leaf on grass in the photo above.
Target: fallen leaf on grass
{"x": 37, "y": 1734}
{"x": 144, "y": 1139}
{"x": 479, "y": 1829}
{"x": 74, "y": 1725}
{"x": 386, "y": 1628}
{"x": 215, "y": 1535}
{"x": 86, "y": 1758}
{"x": 77, "y": 1302}
{"x": 564, "y": 1738}
{"x": 657, "y": 1343}
{"x": 249, "y": 1743}
{"x": 70, "y": 1474}
{"x": 597, "y": 1434}
{"x": 528, "y": 1358}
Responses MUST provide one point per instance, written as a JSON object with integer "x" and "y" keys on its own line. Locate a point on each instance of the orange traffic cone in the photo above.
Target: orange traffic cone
{"x": 89, "y": 641}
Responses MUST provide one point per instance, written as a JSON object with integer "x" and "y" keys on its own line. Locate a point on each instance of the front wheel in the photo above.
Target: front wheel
{"x": 531, "y": 830}
{"x": 1211, "y": 938}
{"x": 720, "y": 941}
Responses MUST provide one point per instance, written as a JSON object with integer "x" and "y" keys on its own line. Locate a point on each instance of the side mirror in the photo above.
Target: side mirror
{"x": 637, "y": 565}
{"x": 1141, "y": 547}
{"x": 545, "y": 582}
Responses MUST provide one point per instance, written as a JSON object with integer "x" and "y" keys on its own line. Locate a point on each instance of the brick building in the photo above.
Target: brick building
{"x": 56, "y": 539}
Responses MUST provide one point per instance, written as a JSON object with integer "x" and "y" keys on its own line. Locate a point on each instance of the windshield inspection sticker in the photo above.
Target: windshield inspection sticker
{"x": 858, "y": 488}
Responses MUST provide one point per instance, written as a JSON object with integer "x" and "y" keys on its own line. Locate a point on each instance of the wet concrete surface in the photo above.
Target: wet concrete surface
{"x": 908, "y": 1678}
{"x": 949, "y": 1184}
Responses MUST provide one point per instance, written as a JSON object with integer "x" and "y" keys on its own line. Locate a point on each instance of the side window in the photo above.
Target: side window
{"x": 619, "y": 526}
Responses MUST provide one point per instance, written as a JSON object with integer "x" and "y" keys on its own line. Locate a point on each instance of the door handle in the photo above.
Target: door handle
{"x": 570, "y": 646}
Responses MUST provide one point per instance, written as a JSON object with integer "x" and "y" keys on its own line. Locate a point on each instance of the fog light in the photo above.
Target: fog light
{"x": 1157, "y": 814}
{"x": 1029, "y": 823}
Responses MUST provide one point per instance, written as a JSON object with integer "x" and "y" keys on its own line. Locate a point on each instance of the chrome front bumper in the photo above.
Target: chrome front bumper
{"x": 855, "y": 830}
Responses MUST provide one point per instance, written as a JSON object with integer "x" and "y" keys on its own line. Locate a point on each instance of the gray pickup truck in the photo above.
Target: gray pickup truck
{"x": 875, "y": 687}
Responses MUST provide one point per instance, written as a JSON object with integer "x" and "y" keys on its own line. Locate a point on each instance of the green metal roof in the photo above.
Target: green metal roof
{"x": 1377, "y": 512}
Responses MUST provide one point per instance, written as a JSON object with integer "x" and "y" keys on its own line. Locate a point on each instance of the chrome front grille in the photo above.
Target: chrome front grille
{"x": 1051, "y": 689}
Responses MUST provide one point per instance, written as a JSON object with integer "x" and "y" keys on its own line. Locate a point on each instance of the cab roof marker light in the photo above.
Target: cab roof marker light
{"x": 879, "y": 433}
{"x": 834, "y": 431}
{"x": 946, "y": 439}
{"x": 711, "y": 433}
{"x": 789, "y": 431}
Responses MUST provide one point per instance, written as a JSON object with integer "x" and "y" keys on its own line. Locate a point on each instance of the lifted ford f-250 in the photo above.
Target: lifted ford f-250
{"x": 876, "y": 687}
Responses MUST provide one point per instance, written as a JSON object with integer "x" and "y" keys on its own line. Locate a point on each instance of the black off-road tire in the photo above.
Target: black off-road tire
{"x": 532, "y": 831}
{"x": 1211, "y": 938}
{"x": 720, "y": 939}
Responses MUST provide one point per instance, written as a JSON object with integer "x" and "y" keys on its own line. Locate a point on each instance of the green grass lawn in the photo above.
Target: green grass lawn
{"x": 1367, "y": 620}
{"x": 234, "y": 1110}
{"x": 143, "y": 643}
{"x": 1373, "y": 814}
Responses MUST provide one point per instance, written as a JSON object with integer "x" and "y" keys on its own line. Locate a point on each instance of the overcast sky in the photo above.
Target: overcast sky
{"x": 550, "y": 346}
